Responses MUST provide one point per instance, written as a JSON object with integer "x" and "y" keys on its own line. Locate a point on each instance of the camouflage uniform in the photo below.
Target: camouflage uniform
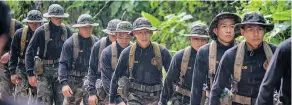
{"x": 74, "y": 62}
{"x": 16, "y": 64}
{"x": 178, "y": 81}
{"x": 109, "y": 57}
{"x": 202, "y": 75}
{"x": 244, "y": 67}
{"x": 95, "y": 86}
{"x": 143, "y": 77}
{"x": 42, "y": 57}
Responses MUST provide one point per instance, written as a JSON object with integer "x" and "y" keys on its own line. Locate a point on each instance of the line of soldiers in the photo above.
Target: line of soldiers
{"x": 51, "y": 65}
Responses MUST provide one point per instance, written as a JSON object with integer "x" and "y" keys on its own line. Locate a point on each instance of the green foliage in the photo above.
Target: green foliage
{"x": 276, "y": 12}
{"x": 172, "y": 18}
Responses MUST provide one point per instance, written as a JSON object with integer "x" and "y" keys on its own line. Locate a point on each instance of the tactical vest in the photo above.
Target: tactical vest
{"x": 239, "y": 59}
{"x": 76, "y": 50}
{"x": 23, "y": 39}
{"x": 212, "y": 60}
{"x": 12, "y": 28}
{"x": 157, "y": 59}
{"x": 101, "y": 47}
{"x": 48, "y": 34}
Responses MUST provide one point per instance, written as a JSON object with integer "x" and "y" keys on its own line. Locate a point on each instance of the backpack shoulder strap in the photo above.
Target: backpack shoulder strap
{"x": 65, "y": 34}
{"x": 23, "y": 39}
{"x": 238, "y": 61}
{"x": 212, "y": 57}
{"x": 12, "y": 28}
{"x": 212, "y": 60}
{"x": 132, "y": 59}
{"x": 114, "y": 55}
{"x": 101, "y": 47}
{"x": 157, "y": 55}
{"x": 76, "y": 46}
{"x": 268, "y": 51}
{"x": 47, "y": 38}
{"x": 184, "y": 63}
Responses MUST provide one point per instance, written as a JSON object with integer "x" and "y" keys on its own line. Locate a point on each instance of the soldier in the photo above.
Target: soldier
{"x": 42, "y": 56}
{"x": 109, "y": 60}
{"x": 221, "y": 30}
{"x": 244, "y": 64}
{"x": 139, "y": 70}
{"x": 94, "y": 70}
{"x": 8, "y": 26}
{"x": 180, "y": 70}
{"x": 18, "y": 47}
{"x": 279, "y": 68}
{"x": 74, "y": 61}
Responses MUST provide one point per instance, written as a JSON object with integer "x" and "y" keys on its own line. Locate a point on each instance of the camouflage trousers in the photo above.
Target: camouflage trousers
{"x": 24, "y": 91}
{"x": 5, "y": 84}
{"x": 49, "y": 89}
{"x": 79, "y": 92}
{"x": 143, "y": 98}
{"x": 178, "y": 99}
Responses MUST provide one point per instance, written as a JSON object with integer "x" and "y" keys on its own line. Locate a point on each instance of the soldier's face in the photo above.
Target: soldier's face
{"x": 143, "y": 36}
{"x": 123, "y": 38}
{"x": 197, "y": 42}
{"x": 56, "y": 20}
{"x": 112, "y": 37}
{"x": 34, "y": 25}
{"x": 86, "y": 31}
{"x": 253, "y": 34}
{"x": 225, "y": 30}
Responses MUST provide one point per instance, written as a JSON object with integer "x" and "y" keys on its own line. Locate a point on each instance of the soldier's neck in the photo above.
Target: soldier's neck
{"x": 252, "y": 47}
{"x": 224, "y": 43}
{"x": 112, "y": 38}
{"x": 144, "y": 45}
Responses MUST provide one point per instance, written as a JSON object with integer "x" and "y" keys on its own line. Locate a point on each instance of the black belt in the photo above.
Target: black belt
{"x": 137, "y": 92}
{"x": 183, "y": 91}
{"x": 145, "y": 88}
{"x": 50, "y": 62}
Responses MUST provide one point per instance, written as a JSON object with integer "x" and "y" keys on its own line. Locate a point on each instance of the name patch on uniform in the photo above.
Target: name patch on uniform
{"x": 244, "y": 67}
{"x": 189, "y": 67}
{"x": 136, "y": 62}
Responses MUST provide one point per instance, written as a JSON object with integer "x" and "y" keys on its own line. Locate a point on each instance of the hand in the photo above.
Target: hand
{"x": 5, "y": 58}
{"x": 67, "y": 92}
{"x": 122, "y": 103}
{"x": 32, "y": 81}
{"x": 92, "y": 100}
{"x": 16, "y": 79}
{"x": 266, "y": 65}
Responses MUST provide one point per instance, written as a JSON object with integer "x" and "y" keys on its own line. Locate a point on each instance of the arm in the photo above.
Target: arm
{"x": 92, "y": 70}
{"x": 32, "y": 50}
{"x": 166, "y": 58}
{"x": 221, "y": 78}
{"x": 14, "y": 52}
{"x": 106, "y": 69}
{"x": 65, "y": 63}
{"x": 122, "y": 67}
{"x": 172, "y": 76}
{"x": 272, "y": 78}
{"x": 200, "y": 73}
